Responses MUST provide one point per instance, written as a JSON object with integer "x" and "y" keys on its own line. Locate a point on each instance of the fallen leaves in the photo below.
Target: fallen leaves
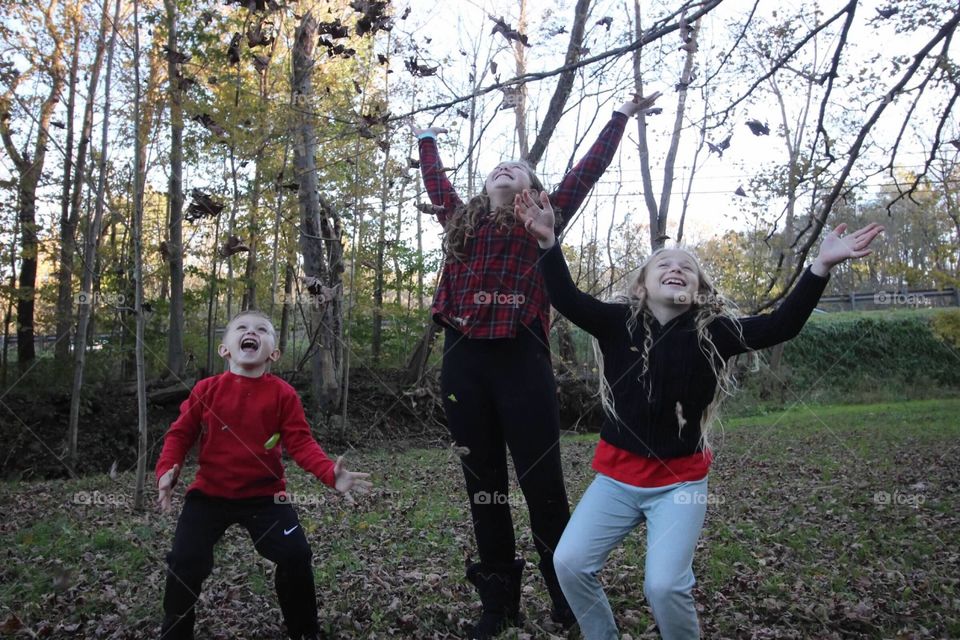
{"x": 797, "y": 547}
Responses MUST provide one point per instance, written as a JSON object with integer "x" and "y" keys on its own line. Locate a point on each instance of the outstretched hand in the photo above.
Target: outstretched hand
{"x": 536, "y": 214}
{"x": 639, "y": 104}
{"x": 165, "y": 488}
{"x": 434, "y": 130}
{"x": 836, "y": 247}
{"x": 346, "y": 481}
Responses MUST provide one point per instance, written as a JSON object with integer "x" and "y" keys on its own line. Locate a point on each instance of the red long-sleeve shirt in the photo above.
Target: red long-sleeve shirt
{"x": 235, "y": 417}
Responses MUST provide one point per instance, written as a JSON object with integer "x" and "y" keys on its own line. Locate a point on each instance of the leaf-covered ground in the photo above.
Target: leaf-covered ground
{"x": 824, "y": 522}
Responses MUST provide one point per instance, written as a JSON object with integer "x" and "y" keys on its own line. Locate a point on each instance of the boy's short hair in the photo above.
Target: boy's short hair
{"x": 255, "y": 313}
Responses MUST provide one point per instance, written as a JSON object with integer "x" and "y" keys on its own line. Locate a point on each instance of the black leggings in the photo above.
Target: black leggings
{"x": 501, "y": 393}
{"x": 277, "y": 536}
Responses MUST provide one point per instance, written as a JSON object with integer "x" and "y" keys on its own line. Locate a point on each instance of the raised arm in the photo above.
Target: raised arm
{"x": 762, "y": 331}
{"x": 578, "y": 182}
{"x": 435, "y": 181}
{"x": 596, "y": 317}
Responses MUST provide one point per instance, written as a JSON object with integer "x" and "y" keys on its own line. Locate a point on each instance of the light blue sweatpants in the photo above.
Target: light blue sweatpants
{"x": 608, "y": 511}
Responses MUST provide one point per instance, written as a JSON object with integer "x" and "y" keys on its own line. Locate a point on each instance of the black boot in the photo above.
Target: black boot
{"x": 499, "y": 589}
{"x": 561, "y": 613}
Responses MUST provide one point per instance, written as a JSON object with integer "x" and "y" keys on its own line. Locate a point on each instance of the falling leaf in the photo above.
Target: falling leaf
{"x": 452, "y": 398}
{"x": 175, "y": 56}
{"x": 374, "y": 16}
{"x": 758, "y": 128}
{"x": 720, "y": 147}
{"x": 272, "y": 441}
{"x": 508, "y": 32}
{"x": 335, "y": 29}
{"x": 419, "y": 70}
{"x": 202, "y": 205}
{"x": 232, "y": 247}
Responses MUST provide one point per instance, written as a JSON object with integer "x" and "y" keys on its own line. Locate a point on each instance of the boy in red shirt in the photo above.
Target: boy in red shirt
{"x": 241, "y": 416}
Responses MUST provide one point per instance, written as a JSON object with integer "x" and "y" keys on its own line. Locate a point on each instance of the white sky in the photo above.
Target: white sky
{"x": 714, "y": 208}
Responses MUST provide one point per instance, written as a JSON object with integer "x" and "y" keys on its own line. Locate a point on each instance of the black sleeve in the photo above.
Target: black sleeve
{"x": 762, "y": 331}
{"x": 596, "y": 317}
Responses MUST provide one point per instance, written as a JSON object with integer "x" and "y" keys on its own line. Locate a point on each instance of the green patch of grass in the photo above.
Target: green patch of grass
{"x": 799, "y": 524}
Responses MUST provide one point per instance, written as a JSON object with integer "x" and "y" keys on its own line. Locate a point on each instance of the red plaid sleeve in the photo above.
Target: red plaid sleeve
{"x": 575, "y": 186}
{"x": 435, "y": 181}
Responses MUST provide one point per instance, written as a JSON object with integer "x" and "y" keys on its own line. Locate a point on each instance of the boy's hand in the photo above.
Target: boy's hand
{"x": 165, "y": 488}
{"x": 835, "y": 248}
{"x": 346, "y": 481}
{"x": 536, "y": 214}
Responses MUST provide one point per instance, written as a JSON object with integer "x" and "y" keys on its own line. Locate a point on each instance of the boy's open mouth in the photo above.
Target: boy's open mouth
{"x": 249, "y": 344}
{"x": 674, "y": 280}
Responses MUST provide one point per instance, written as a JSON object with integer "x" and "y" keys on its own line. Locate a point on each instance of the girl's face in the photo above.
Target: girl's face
{"x": 672, "y": 278}
{"x": 509, "y": 178}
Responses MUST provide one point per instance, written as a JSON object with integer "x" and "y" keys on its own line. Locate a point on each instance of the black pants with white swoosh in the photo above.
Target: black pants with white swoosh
{"x": 277, "y": 536}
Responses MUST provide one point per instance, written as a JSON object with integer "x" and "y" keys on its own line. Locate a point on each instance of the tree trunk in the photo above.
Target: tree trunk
{"x": 68, "y": 227}
{"x": 287, "y": 306}
{"x": 378, "y": 280}
{"x": 64, "y": 303}
{"x": 520, "y": 110}
{"x": 175, "y": 354}
{"x": 564, "y": 84}
{"x": 91, "y": 240}
{"x": 316, "y": 229}
{"x": 658, "y": 213}
{"x": 29, "y": 172}
{"x": 142, "y": 129}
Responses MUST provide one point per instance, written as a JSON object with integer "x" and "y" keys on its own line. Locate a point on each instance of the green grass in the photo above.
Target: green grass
{"x": 795, "y": 544}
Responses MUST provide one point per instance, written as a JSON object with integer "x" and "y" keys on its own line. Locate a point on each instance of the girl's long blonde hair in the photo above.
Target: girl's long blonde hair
{"x": 709, "y": 305}
{"x": 463, "y": 222}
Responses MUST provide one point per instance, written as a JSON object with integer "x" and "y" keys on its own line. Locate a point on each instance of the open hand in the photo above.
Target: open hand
{"x": 347, "y": 481}
{"x": 836, "y": 247}
{"x": 434, "y": 130}
{"x": 536, "y": 214}
{"x": 639, "y": 104}
{"x": 165, "y": 488}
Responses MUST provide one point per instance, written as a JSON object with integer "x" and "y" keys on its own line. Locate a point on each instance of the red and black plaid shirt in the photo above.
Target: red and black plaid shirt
{"x": 497, "y": 286}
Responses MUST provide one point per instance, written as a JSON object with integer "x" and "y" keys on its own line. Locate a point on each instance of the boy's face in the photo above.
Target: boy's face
{"x": 249, "y": 343}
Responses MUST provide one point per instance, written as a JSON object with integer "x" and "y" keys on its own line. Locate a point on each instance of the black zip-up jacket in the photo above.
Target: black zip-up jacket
{"x": 678, "y": 369}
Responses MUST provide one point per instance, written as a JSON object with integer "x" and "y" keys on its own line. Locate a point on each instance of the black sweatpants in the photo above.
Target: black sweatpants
{"x": 501, "y": 393}
{"x": 277, "y": 536}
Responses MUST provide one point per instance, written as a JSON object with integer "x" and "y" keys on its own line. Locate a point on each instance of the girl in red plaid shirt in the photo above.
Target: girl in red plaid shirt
{"x": 496, "y": 379}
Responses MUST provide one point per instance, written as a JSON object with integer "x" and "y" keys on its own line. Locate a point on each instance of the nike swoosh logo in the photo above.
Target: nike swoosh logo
{"x": 287, "y": 532}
